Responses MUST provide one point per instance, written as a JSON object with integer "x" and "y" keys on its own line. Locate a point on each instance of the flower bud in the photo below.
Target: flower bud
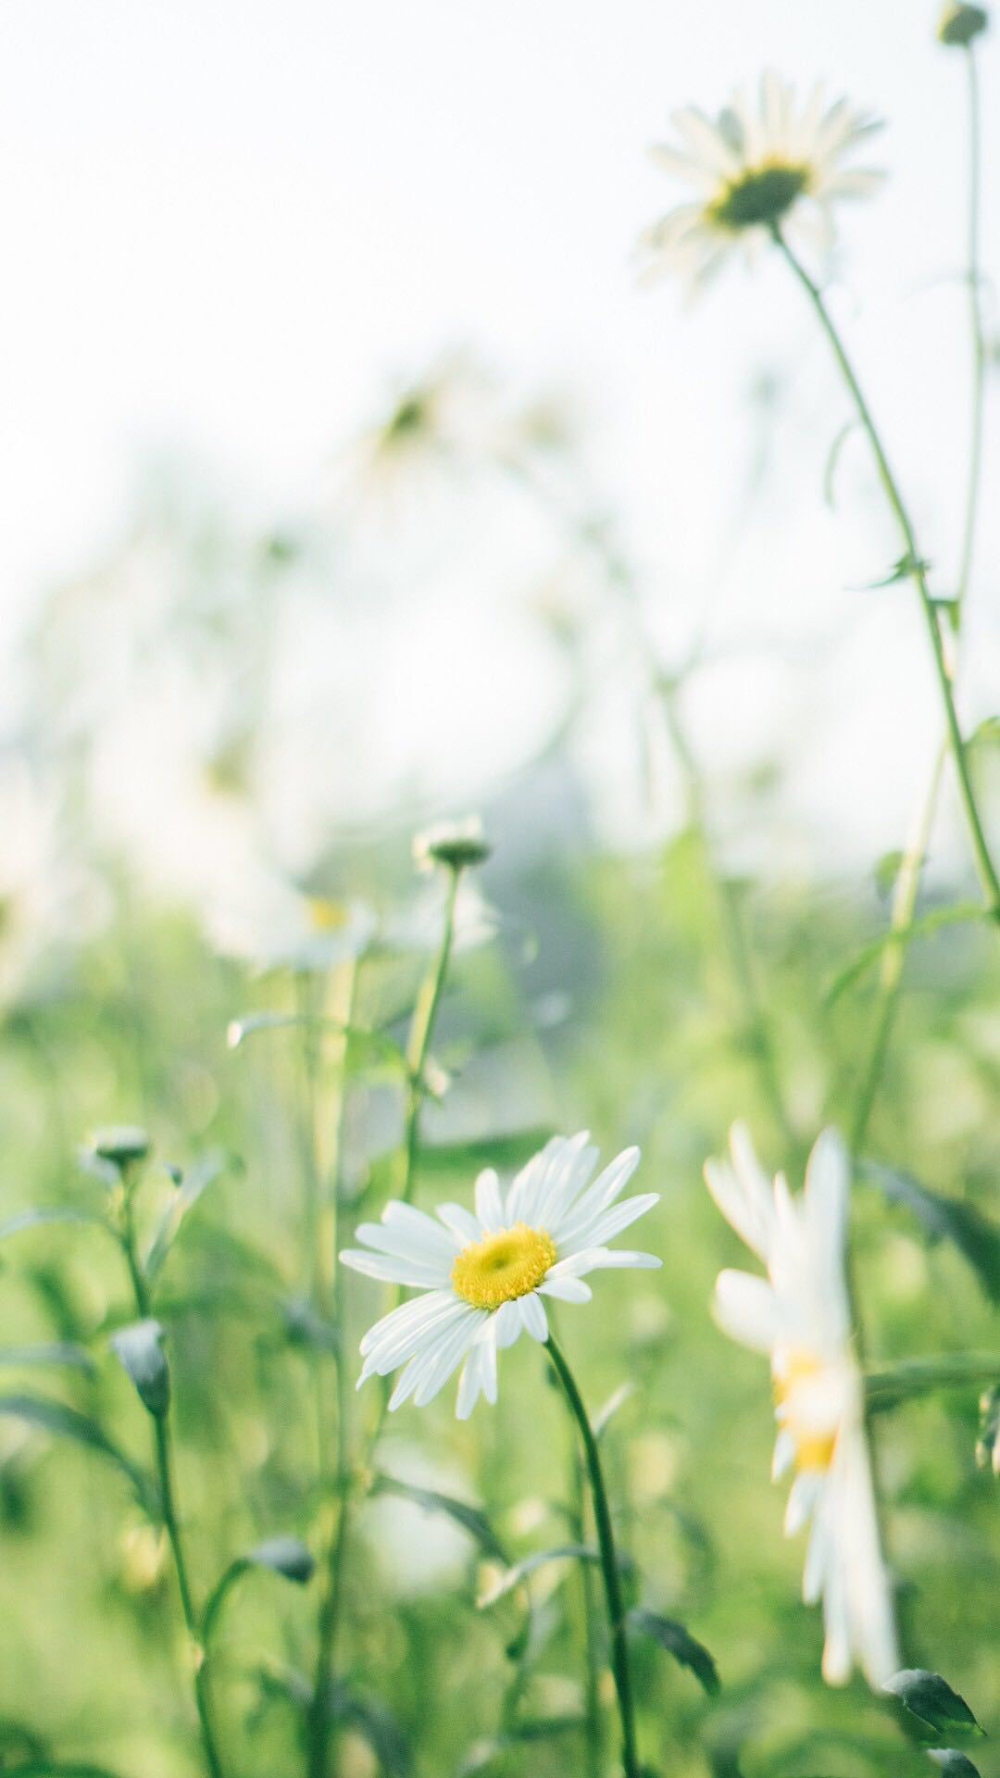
{"x": 959, "y": 24}
{"x": 455, "y": 844}
{"x": 121, "y": 1144}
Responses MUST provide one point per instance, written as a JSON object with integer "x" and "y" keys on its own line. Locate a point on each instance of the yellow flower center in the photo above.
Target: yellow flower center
{"x": 813, "y": 1446}
{"x": 502, "y": 1266}
{"x": 759, "y": 195}
{"x": 325, "y": 915}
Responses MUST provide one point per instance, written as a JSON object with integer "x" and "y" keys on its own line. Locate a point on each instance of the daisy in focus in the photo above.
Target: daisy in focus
{"x": 756, "y": 170}
{"x": 801, "y": 1316}
{"x": 483, "y": 1274}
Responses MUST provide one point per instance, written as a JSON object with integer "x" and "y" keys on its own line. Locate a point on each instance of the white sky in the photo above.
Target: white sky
{"x": 227, "y": 223}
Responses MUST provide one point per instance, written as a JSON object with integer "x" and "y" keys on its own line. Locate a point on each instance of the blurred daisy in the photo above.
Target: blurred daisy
{"x": 270, "y": 923}
{"x": 755, "y": 170}
{"x": 483, "y": 1274}
{"x": 801, "y": 1317}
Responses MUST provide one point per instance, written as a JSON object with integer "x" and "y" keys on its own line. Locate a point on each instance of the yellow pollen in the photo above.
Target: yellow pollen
{"x": 813, "y": 1448}
{"x": 502, "y": 1266}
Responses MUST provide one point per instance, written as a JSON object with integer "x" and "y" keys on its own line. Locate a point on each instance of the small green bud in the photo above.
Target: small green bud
{"x": 120, "y": 1144}
{"x": 959, "y": 24}
{"x": 455, "y": 844}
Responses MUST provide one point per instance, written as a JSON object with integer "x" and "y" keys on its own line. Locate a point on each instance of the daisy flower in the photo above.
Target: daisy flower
{"x": 755, "y": 169}
{"x": 801, "y": 1317}
{"x": 483, "y": 1274}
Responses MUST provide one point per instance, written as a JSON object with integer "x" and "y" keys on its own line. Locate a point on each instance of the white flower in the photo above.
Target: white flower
{"x": 267, "y": 921}
{"x": 483, "y": 1275}
{"x": 754, "y": 170}
{"x": 801, "y": 1316}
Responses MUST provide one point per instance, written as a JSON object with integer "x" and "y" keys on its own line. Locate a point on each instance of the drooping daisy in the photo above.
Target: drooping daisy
{"x": 754, "y": 170}
{"x": 483, "y": 1274}
{"x": 801, "y": 1317}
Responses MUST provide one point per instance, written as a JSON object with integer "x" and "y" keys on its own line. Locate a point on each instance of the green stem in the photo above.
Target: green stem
{"x": 894, "y": 956}
{"x": 978, "y": 343}
{"x": 163, "y": 1456}
{"x": 917, "y": 571}
{"x": 609, "y": 1559}
{"x": 421, "y": 1032}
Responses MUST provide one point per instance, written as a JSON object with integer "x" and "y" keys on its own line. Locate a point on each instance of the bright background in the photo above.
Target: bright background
{"x": 231, "y": 227}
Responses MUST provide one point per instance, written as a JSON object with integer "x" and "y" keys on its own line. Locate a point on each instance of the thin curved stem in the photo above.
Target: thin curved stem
{"x": 916, "y": 569}
{"x": 609, "y": 1559}
{"x": 163, "y": 1456}
{"x": 977, "y": 340}
{"x": 421, "y": 1032}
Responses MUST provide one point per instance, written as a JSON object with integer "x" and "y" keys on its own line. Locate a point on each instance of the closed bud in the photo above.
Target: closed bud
{"x": 959, "y": 24}
{"x": 454, "y": 844}
{"x": 121, "y": 1144}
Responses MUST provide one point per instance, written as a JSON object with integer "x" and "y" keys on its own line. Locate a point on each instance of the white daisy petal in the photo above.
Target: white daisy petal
{"x": 391, "y": 1269}
{"x": 748, "y": 1310}
{"x": 607, "y": 1187}
{"x": 461, "y": 1221}
{"x": 533, "y": 1317}
{"x": 489, "y": 1204}
{"x": 602, "y": 1228}
{"x": 507, "y": 1322}
{"x": 568, "y": 1290}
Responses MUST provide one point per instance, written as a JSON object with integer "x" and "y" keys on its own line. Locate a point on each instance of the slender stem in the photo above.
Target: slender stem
{"x": 421, "y": 1032}
{"x": 916, "y": 569}
{"x": 977, "y": 339}
{"x": 907, "y": 880}
{"x": 609, "y": 1559}
{"x": 894, "y": 956}
{"x": 163, "y": 1455}
{"x": 591, "y": 1696}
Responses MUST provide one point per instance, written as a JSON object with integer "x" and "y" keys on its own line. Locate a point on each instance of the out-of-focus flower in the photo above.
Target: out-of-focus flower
{"x": 49, "y": 902}
{"x": 801, "y": 1317}
{"x": 756, "y": 170}
{"x": 482, "y": 1275}
{"x": 455, "y": 844}
{"x": 271, "y": 924}
{"x": 959, "y": 25}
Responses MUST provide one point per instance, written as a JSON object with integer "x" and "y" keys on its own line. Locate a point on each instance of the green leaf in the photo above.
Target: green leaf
{"x": 606, "y": 1412}
{"x": 42, "y": 1213}
{"x": 53, "y": 1352}
{"x": 362, "y": 1040}
{"x": 65, "y": 1422}
{"x": 505, "y": 1583}
{"x": 678, "y": 1642}
{"x": 985, "y": 734}
{"x": 471, "y": 1518}
{"x": 139, "y": 1349}
{"x": 887, "y": 870}
{"x": 833, "y": 459}
{"x": 911, "y": 1377}
{"x": 201, "y": 1174}
{"x": 957, "y": 914}
{"x": 953, "y": 1763}
{"x": 945, "y": 1219}
{"x": 904, "y": 568}
{"x": 932, "y": 1701}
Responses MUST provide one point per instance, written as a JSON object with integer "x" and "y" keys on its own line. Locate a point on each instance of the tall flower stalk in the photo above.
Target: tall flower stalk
{"x": 163, "y": 1456}
{"x": 916, "y": 569}
{"x": 610, "y": 1571}
{"x": 908, "y": 875}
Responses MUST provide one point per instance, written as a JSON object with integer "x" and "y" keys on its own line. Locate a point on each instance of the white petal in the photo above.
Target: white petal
{"x": 507, "y": 1322}
{"x": 748, "y": 1310}
{"x": 533, "y": 1316}
{"x": 604, "y": 1227}
{"x": 568, "y": 1290}
{"x": 461, "y": 1221}
{"x": 533, "y": 1183}
{"x": 422, "y": 1227}
{"x": 391, "y": 1269}
{"x": 489, "y": 1205}
{"x": 607, "y": 1187}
